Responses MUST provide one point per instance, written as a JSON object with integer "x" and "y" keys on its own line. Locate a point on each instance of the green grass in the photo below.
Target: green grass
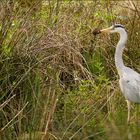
{"x": 58, "y": 81}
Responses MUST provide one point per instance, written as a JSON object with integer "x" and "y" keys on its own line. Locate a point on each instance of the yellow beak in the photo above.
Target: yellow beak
{"x": 106, "y": 30}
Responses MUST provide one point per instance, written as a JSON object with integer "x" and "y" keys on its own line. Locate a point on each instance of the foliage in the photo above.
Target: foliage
{"x": 58, "y": 81}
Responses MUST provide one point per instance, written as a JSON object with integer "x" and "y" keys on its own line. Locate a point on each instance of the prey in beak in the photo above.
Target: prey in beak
{"x": 97, "y": 31}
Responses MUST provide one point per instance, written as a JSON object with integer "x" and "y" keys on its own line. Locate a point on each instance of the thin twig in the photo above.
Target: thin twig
{"x": 14, "y": 117}
{"x": 6, "y": 102}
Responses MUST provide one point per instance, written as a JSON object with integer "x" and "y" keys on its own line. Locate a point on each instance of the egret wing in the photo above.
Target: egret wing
{"x": 130, "y": 85}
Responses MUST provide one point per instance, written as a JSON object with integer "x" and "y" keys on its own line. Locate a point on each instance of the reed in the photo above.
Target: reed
{"x": 58, "y": 81}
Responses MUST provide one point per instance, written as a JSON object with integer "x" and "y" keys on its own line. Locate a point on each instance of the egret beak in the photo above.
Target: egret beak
{"x": 106, "y": 30}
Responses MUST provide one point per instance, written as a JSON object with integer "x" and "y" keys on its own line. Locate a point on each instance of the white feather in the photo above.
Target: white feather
{"x": 129, "y": 79}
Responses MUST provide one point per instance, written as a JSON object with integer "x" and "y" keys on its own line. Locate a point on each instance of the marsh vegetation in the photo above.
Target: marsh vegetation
{"x": 58, "y": 81}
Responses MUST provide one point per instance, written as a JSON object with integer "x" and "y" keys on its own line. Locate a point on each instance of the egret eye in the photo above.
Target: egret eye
{"x": 113, "y": 27}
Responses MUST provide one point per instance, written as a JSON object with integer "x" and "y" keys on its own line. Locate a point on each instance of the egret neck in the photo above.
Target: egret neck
{"x": 119, "y": 51}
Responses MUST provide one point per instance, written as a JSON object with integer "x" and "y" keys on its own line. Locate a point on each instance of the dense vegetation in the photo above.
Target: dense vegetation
{"x": 58, "y": 81}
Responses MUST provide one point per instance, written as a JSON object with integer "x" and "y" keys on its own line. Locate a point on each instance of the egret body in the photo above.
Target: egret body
{"x": 129, "y": 79}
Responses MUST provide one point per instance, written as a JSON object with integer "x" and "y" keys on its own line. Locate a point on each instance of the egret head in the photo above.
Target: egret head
{"x": 116, "y": 28}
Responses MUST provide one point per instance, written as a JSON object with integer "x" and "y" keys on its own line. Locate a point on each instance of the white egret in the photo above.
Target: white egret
{"x": 129, "y": 79}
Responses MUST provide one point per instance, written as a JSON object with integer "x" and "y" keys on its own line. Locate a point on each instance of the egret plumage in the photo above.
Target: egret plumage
{"x": 129, "y": 79}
